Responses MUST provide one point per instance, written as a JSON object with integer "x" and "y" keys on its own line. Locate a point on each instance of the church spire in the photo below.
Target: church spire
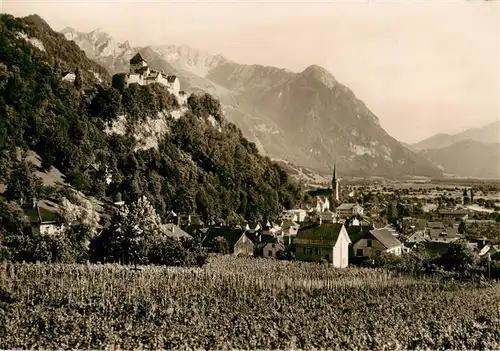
{"x": 335, "y": 182}
{"x": 334, "y": 179}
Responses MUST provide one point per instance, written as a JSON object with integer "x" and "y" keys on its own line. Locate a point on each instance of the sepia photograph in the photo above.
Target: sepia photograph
{"x": 249, "y": 175}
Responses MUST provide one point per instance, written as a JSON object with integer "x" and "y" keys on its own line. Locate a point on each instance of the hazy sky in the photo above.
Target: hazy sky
{"x": 421, "y": 66}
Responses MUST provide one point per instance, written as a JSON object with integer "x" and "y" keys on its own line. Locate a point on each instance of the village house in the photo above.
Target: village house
{"x": 349, "y": 210}
{"x": 289, "y": 228}
{"x": 271, "y": 248}
{"x": 189, "y": 220}
{"x": 447, "y": 235}
{"x": 174, "y": 231}
{"x": 239, "y": 240}
{"x": 271, "y": 229}
{"x": 43, "y": 216}
{"x": 321, "y": 204}
{"x": 323, "y": 241}
{"x": 417, "y": 237}
{"x": 437, "y": 232}
{"x": 140, "y": 73}
{"x": 295, "y": 215}
{"x": 377, "y": 241}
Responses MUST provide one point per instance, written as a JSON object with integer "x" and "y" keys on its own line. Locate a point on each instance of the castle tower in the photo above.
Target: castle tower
{"x": 137, "y": 63}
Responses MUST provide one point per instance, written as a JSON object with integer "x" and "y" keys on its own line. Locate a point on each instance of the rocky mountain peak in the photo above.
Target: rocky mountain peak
{"x": 320, "y": 74}
{"x": 193, "y": 60}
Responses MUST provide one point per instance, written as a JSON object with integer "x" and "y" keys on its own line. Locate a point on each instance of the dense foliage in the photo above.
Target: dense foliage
{"x": 457, "y": 262}
{"x": 196, "y": 167}
{"x": 235, "y": 303}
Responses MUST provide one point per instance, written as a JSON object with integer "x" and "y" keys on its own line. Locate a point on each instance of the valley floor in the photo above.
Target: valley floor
{"x": 240, "y": 303}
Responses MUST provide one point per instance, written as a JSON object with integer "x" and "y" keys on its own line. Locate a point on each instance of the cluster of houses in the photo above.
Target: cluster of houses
{"x": 336, "y": 237}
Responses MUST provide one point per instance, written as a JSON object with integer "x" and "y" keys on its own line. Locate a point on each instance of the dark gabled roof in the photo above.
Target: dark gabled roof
{"x": 171, "y": 79}
{"x": 356, "y": 233}
{"x": 43, "y": 212}
{"x": 386, "y": 238}
{"x": 174, "y": 231}
{"x": 230, "y": 234}
{"x": 264, "y": 238}
{"x": 137, "y": 59}
{"x": 193, "y": 229}
{"x": 254, "y": 237}
{"x": 418, "y": 236}
{"x": 326, "y": 234}
{"x": 434, "y": 233}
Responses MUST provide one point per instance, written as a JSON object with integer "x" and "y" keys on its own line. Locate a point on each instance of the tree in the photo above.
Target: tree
{"x": 219, "y": 245}
{"x": 133, "y": 230}
{"x": 457, "y": 258}
{"x": 462, "y": 227}
{"x": 23, "y": 185}
{"x": 12, "y": 219}
{"x": 119, "y": 82}
{"x": 81, "y": 221}
{"x": 392, "y": 213}
{"x": 78, "y": 80}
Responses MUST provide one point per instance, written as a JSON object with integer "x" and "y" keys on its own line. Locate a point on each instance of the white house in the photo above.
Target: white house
{"x": 321, "y": 204}
{"x": 295, "y": 215}
{"x": 417, "y": 237}
{"x": 289, "y": 227}
{"x": 272, "y": 248}
{"x": 323, "y": 241}
{"x": 348, "y": 210}
{"x": 377, "y": 241}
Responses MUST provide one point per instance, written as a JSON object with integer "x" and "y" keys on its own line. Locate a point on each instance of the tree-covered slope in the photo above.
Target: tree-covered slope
{"x": 119, "y": 142}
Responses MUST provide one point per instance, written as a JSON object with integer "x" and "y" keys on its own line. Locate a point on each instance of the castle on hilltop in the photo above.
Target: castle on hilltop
{"x": 141, "y": 73}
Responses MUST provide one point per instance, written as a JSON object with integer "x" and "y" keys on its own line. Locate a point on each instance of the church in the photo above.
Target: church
{"x": 334, "y": 190}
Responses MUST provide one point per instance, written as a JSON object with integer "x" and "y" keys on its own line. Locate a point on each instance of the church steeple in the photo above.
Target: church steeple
{"x": 335, "y": 182}
{"x": 334, "y": 179}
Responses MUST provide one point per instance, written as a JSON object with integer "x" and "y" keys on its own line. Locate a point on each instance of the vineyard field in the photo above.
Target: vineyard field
{"x": 241, "y": 303}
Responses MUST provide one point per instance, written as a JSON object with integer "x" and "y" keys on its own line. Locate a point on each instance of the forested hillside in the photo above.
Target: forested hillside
{"x": 199, "y": 162}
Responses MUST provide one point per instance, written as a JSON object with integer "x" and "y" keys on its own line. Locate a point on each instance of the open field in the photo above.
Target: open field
{"x": 241, "y": 303}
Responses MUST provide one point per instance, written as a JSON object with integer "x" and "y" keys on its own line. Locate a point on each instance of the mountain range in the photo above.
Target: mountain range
{"x": 489, "y": 133}
{"x": 307, "y": 117}
{"x": 471, "y": 153}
